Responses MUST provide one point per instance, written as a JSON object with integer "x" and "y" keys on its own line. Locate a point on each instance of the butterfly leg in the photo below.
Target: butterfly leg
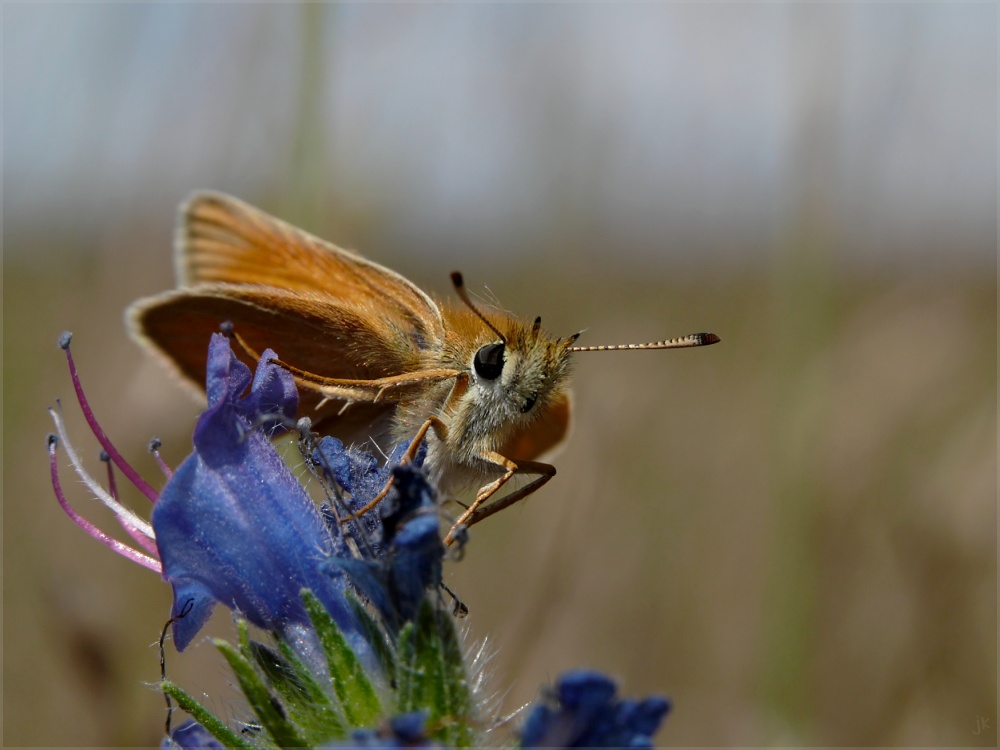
{"x": 431, "y": 423}
{"x": 440, "y": 429}
{"x": 478, "y": 510}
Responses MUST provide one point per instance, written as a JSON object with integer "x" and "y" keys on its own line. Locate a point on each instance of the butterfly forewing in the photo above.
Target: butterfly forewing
{"x": 323, "y": 309}
{"x": 178, "y": 325}
{"x": 222, "y": 239}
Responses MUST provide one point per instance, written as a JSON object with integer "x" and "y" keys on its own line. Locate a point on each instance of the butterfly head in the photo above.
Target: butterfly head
{"x": 515, "y": 369}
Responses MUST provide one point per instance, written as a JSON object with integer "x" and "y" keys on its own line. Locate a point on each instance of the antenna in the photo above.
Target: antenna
{"x": 683, "y": 342}
{"x": 456, "y": 279}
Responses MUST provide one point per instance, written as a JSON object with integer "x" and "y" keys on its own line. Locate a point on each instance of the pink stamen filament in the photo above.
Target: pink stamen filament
{"x": 133, "y": 476}
{"x": 140, "y": 538}
{"x": 122, "y": 549}
{"x": 167, "y": 471}
{"x": 125, "y": 515}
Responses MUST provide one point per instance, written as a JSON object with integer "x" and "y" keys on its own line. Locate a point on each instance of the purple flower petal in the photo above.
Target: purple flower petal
{"x": 233, "y": 525}
{"x": 414, "y": 537}
{"x": 189, "y": 735}
{"x": 582, "y": 712}
{"x": 273, "y": 398}
{"x": 402, "y": 731}
{"x": 408, "y": 559}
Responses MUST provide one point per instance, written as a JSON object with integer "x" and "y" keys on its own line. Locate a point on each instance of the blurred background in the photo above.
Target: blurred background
{"x": 792, "y": 534}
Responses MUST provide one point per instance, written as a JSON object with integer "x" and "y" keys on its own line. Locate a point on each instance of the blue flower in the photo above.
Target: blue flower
{"x": 582, "y": 712}
{"x": 190, "y": 734}
{"x": 233, "y": 525}
{"x": 404, "y": 557}
{"x": 401, "y": 731}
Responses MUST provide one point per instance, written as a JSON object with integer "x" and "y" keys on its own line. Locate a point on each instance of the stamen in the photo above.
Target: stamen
{"x": 133, "y": 476}
{"x": 122, "y": 549}
{"x": 125, "y": 515}
{"x": 185, "y": 611}
{"x": 154, "y": 448}
{"x": 355, "y": 533}
{"x": 141, "y": 539}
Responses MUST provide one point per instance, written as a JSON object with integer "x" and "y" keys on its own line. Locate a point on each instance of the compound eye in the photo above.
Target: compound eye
{"x": 529, "y": 403}
{"x": 489, "y": 361}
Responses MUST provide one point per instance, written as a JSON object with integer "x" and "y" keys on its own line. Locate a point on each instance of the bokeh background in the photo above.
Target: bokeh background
{"x": 792, "y": 533}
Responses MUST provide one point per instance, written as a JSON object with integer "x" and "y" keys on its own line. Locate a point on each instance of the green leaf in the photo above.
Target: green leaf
{"x": 375, "y": 634}
{"x": 309, "y": 707}
{"x": 358, "y": 698}
{"x": 269, "y": 711}
{"x": 203, "y": 716}
{"x": 277, "y": 672}
{"x": 431, "y": 676}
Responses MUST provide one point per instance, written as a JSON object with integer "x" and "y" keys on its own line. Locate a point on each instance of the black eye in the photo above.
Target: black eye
{"x": 489, "y": 361}
{"x": 529, "y": 403}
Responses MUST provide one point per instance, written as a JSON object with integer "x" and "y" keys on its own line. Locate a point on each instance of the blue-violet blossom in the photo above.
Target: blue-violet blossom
{"x": 363, "y": 649}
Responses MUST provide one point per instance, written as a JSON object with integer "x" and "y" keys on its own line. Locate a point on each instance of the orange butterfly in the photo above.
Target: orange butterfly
{"x": 373, "y": 355}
